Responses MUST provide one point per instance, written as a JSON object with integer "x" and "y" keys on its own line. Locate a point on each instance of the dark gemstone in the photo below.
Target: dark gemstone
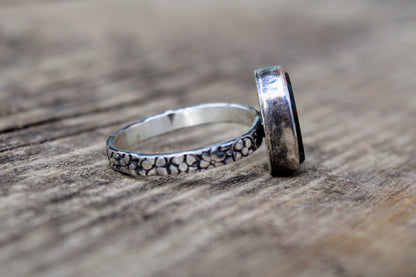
{"x": 295, "y": 116}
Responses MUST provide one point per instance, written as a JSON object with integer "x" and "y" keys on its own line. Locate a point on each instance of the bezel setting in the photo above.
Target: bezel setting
{"x": 280, "y": 120}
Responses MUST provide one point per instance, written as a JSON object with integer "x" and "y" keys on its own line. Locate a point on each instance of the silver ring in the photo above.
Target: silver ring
{"x": 280, "y": 120}
{"x": 146, "y": 164}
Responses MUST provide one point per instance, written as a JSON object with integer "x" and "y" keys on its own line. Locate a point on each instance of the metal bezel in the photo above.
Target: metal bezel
{"x": 280, "y": 121}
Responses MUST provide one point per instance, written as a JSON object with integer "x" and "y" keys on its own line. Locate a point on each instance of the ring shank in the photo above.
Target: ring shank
{"x": 177, "y": 119}
{"x": 146, "y": 164}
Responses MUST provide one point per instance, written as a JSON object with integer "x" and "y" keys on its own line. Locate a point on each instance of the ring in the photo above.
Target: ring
{"x": 147, "y": 164}
{"x": 280, "y": 120}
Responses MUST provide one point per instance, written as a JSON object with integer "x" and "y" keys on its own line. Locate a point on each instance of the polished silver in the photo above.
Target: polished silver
{"x": 147, "y": 164}
{"x": 280, "y": 121}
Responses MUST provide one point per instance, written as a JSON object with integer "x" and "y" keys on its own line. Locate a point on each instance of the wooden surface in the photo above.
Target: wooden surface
{"x": 71, "y": 72}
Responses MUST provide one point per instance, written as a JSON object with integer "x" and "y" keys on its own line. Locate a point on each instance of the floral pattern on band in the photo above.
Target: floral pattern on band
{"x": 137, "y": 164}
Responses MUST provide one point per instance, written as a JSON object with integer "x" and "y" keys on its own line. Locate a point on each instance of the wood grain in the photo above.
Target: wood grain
{"x": 71, "y": 72}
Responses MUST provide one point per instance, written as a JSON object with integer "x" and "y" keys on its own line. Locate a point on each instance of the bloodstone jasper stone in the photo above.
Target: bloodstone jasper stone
{"x": 296, "y": 117}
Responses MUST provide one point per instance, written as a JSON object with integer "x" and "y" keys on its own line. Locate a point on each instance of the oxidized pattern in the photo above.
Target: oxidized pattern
{"x": 136, "y": 164}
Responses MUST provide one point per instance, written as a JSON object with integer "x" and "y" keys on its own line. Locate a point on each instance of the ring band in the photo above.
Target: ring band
{"x": 147, "y": 164}
{"x": 280, "y": 120}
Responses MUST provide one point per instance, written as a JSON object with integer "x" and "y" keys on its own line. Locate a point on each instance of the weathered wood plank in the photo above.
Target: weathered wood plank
{"x": 71, "y": 72}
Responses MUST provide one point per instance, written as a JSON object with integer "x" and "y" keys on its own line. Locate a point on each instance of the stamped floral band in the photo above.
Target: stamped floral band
{"x": 145, "y": 164}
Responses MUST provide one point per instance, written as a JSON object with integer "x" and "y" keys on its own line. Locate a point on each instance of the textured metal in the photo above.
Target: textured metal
{"x": 138, "y": 164}
{"x": 280, "y": 121}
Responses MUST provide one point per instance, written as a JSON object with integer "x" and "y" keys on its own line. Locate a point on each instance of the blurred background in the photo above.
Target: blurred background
{"x": 110, "y": 53}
